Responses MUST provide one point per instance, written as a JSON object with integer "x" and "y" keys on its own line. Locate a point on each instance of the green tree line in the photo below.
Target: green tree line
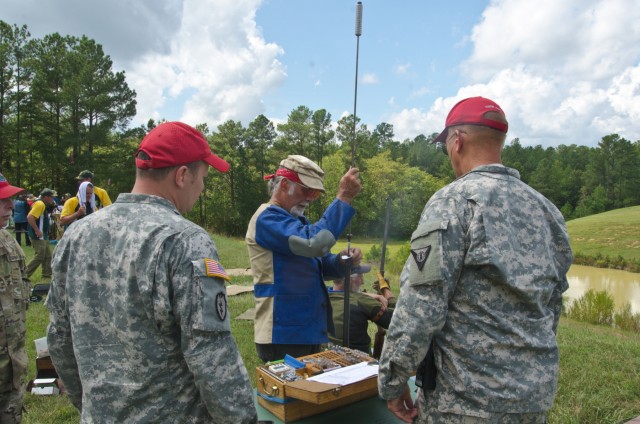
{"x": 60, "y": 104}
{"x": 63, "y": 109}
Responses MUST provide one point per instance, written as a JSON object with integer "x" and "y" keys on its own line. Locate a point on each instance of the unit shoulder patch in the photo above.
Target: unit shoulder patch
{"x": 221, "y": 306}
{"x": 421, "y": 255}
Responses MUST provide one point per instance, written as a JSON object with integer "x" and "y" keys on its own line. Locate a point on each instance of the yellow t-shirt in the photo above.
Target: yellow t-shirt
{"x": 71, "y": 204}
{"x": 102, "y": 195}
{"x": 37, "y": 209}
{"x": 69, "y": 207}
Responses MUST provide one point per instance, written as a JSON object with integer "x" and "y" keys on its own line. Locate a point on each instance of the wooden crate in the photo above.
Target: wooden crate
{"x": 290, "y": 401}
{"x": 44, "y": 368}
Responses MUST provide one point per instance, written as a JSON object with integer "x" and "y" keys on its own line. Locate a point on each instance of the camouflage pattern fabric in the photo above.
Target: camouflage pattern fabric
{"x": 428, "y": 413}
{"x": 485, "y": 280}
{"x": 139, "y": 333}
{"x": 14, "y": 300}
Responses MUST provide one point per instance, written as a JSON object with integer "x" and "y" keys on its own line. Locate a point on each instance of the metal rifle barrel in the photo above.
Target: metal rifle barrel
{"x": 355, "y": 96}
{"x": 384, "y": 237}
{"x": 347, "y": 277}
{"x": 346, "y": 319}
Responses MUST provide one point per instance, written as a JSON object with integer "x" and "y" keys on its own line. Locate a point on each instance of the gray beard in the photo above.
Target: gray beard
{"x": 297, "y": 211}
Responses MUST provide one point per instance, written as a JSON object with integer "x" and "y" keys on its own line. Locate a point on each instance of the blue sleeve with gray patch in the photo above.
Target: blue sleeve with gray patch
{"x": 279, "y": 231}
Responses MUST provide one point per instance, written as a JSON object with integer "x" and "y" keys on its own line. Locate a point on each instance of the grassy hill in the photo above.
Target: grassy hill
{"x": 613, "y": 233}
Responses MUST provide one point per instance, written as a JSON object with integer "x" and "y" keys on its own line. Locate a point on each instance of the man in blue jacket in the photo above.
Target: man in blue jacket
{"x": 290, "y": 258}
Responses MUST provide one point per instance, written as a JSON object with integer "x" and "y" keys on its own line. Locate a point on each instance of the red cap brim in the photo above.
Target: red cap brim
{"x": 441, "y": 138}
{"x": 217, "y": 162}
{"x": 10, "y": 191}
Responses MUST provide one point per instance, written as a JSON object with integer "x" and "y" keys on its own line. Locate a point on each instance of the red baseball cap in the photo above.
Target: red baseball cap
{"x": 471, "y": 111}
{"x": 174, "y": 144}
{"x": 6, "y": 189}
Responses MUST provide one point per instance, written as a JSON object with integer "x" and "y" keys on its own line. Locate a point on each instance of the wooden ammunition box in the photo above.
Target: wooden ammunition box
{"x": 293, "y": 400}
{"x": 44, "y": 368}
{"x": 46, "y": 381}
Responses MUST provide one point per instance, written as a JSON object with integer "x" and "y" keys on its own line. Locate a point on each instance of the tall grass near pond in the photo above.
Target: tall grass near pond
{"x": 597, "y": 307}
{"x": 594, "y": 307}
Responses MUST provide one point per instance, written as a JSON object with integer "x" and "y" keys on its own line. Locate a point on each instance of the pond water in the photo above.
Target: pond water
{"x": 623, "y": 286}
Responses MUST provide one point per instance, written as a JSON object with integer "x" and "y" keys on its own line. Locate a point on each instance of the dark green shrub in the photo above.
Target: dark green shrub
{"x": 374, "y": 254}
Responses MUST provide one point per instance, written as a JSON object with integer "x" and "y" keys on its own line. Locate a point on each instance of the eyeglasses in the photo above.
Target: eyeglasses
{"x": 443, "y": 145}
{"x": 308, "y": 192}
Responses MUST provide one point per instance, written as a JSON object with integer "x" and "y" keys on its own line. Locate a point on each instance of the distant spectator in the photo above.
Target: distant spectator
{"x": 102, "y": 197}
{"x": 84, "y": 203}
{"x": 20, "y": 211}
{"x": 38, "y": 230}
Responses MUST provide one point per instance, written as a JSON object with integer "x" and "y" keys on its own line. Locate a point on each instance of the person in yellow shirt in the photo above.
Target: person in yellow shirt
{"x": 102, "y": 197}
{"x": 38, "y": 231}
{"x": 84, "y": 203}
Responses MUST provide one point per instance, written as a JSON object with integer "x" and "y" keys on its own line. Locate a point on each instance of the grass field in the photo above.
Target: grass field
{"x": 599, "y": 366}
{"x": 610, "y": 234}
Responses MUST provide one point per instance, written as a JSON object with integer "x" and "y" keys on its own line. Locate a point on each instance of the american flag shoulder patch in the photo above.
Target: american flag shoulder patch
{"x": 213, "y": 268}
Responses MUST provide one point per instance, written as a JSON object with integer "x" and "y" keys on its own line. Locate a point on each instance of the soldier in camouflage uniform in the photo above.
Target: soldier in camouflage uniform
{"x": 14, "y": 300}
{"x": 139, "y": 327}
{"x": 484, "y": 282}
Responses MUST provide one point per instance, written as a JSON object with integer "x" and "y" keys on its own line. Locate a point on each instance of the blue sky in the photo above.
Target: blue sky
{"x": 407, "y": 54}
{"x": 565, "y": 72}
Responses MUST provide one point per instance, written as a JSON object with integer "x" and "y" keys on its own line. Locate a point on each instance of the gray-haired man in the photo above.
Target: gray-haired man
{"x": 484, "y": 282}
{"x": 290, "y": 258}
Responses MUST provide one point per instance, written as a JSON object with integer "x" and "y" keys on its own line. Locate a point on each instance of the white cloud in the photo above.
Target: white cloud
{"x": 370, "y": 79}
{"x": 624, "y": 92}
{"x": 221, "y": 71}
{"x": 408, "y": 123}
{"x": 127, "y": 29}
{"x": 564, "y": 72}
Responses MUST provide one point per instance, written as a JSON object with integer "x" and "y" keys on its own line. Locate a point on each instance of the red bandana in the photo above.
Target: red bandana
{"x": 287, "y": 173}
